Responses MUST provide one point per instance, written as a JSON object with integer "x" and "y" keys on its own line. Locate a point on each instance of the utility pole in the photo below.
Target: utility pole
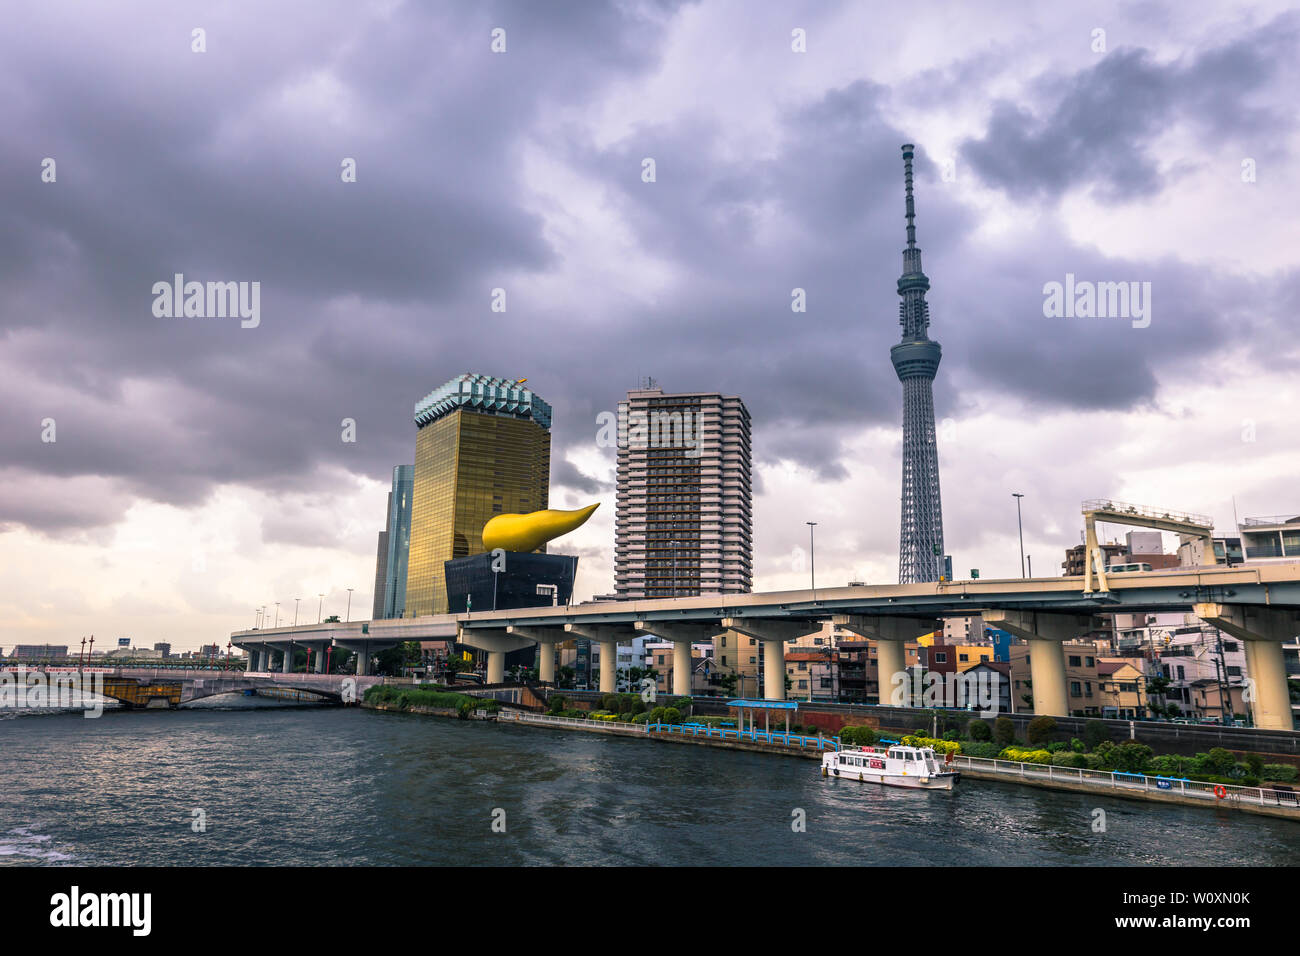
{"x": 1021, "y": 527}
{"x": 349, "y": 614}
{"x": 295, "y": 611}
{"x": 812, "y": 558}
{"x": 319, "y": 605}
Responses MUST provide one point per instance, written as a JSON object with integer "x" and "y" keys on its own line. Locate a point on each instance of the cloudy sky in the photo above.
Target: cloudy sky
{"x": 198, "y": 469}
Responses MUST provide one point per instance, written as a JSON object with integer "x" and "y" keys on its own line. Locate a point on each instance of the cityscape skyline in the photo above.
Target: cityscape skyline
{"x": 199, "y": 467}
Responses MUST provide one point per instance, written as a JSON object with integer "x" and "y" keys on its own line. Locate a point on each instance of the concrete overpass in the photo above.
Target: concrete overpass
{"x": 1259, "y": 605}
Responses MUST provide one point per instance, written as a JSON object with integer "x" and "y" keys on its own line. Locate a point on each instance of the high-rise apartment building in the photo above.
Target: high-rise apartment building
{"x": 483, "y": 448}
{"x": 394, "y": 547}
{"x": 683, "y": 524}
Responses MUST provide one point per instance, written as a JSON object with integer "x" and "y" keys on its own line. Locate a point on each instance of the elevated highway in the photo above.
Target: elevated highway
{"x": 1258, "y": 604}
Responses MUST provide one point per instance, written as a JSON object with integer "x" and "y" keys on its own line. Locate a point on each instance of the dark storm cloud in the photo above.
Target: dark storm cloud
{"x": 226, "y": 166}
{"x": 1099, "y": 132}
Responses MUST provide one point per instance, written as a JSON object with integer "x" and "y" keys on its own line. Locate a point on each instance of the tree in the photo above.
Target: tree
{"x": 1004, "y": 731}
{"x": 728, "y": 684}
{"x": 1157, "y": 687}
{"x": 1094, "y": 734}
{"x": 1040, "y": 730}
{"x": 393, "y": 661}
{"x": 980, "y": 730}
{"x": 332, "y": 619}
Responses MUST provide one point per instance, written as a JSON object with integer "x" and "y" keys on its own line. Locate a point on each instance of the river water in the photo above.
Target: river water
{"x": 332, "y": 786}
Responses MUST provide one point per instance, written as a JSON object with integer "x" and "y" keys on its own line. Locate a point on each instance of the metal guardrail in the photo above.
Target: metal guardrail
{"x": 758, "y": 736}
{"x": 549, "y": 720}
{"x": 800, "y": 741}
{"x": 1147, "y": 511}
{"x": 1121, "y": 780}
{"x": 1272, "y": 520}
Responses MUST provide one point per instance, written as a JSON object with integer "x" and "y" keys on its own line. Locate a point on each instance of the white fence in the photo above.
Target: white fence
{"x": 524, "y": 717}
{"x": 1119, "y": 780}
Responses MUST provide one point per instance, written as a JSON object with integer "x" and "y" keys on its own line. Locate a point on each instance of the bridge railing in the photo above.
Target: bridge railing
{"x": 1122, "y": 780}
{"x": 1147, "y": 511}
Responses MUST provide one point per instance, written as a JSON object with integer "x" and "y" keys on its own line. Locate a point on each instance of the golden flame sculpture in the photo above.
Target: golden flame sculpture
{"x": 515, "y": 532}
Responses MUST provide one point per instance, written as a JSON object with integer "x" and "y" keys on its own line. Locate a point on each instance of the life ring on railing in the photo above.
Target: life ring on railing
{"x": 1220, "y": 791}
{"x": 837, "y": 771}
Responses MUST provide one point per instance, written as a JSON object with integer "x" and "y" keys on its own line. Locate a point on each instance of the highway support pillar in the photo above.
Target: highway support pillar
{"x": 891, "y": 635}
{"x": 773, "y": 634}
{"x": 363, "y": 660}
{"x": 286, "y": 666}
{"x": 546, "y": 639}
{"x": 1263, "y": 631}
{"x": 320, "y": 658}
{"x": 497, "y": 642}
{"x": 1045, "y": 631}
{"x": 608, "y": 636}
{"x": 682, "y": 636}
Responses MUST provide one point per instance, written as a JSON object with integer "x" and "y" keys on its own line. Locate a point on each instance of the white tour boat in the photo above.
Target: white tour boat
{"x": 898, "y": 766}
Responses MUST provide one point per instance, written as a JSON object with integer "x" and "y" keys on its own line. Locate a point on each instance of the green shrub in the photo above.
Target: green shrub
{"x": 1068, "y": 758}
{"x": 672, "y": 715}
{"x": 1256, "y": 764}
{"x": 1094, "y": 734}
{"x": 861, "y": 736}
{"x": 980, "y": 748}
{"x": 979, "y": 730}
{"x": 939, "y": 746}
{"x": 1020, "y": 755}
{"x": 1004, "y": 731}
{"x": 952, "y": 735}
{"x": 1170, "y": 765}
{"x": 1056, "y": 745}
{"x": 1077, "y": 745}
{"x": 1279, "y": 772}
{"x": 1218, "y": 762}
{"x": 1040, "y": 730}
{"x": 1130, "y": 757}
{"x": 555, "y": 703}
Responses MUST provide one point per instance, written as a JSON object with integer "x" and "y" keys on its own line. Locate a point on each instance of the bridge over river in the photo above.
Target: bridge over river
{"x": 1258, "y": 604}
{"x": 140, "y": 688}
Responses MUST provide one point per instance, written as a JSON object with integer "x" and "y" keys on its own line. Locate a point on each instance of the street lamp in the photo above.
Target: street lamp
{"x": 295, "y": 611}
{"x": 1017, "y": 495}
{"x": 319, "y": 605}
{"x": 812, "y": 557}
{"x": 277, "y": 613}
{"x": 349, "y": 614}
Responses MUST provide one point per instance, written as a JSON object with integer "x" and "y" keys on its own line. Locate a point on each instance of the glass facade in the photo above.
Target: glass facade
{"x": 396, "y": 541}
{"x": 474, "y": 458}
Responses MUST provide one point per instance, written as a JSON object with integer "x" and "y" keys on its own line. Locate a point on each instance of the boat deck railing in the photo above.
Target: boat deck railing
{"x": 1123, "y": 780}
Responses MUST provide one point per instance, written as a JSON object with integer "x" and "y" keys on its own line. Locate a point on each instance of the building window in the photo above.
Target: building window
{"x": 940, "y": 657}
{"x": 1075, "y": 690}
{"x": 1075, "y": 661}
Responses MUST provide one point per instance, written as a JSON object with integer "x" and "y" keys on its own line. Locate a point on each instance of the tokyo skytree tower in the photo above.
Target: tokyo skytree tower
{"x": 916, "y": 359}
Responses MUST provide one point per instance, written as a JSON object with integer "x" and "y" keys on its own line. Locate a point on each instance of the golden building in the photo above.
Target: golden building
{"x": 483, "y": 449}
